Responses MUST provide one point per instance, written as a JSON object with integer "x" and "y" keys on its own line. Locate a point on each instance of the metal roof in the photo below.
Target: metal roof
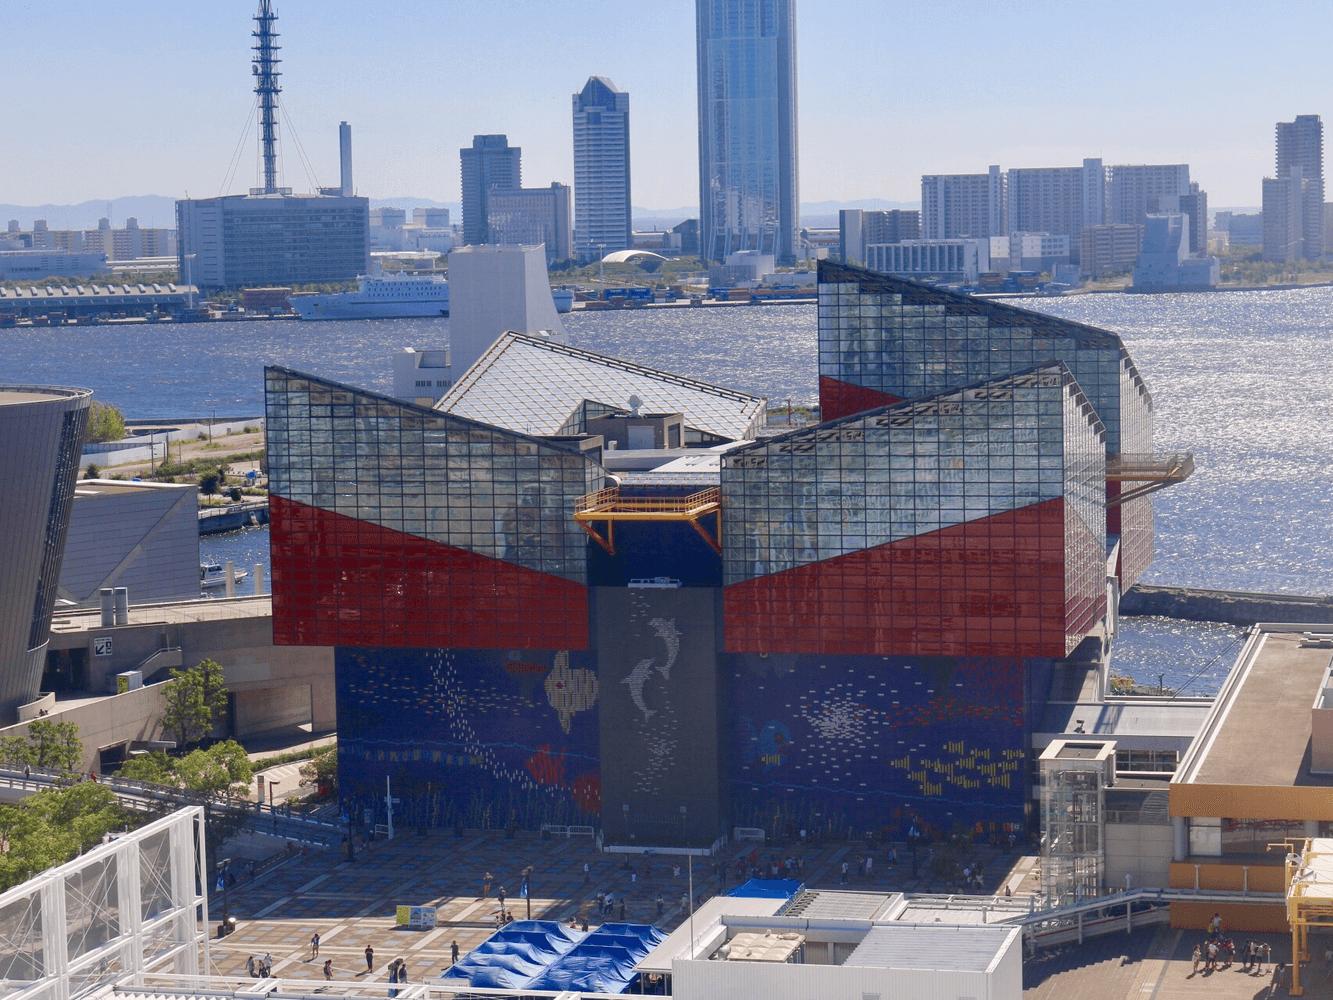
{"x": 966, "y": 948}
{"x": 101, "y": 291}
{"x": 532, "y": 385}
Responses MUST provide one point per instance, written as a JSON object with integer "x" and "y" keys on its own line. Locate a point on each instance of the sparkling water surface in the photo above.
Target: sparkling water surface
{"x": 1241, "y": 379}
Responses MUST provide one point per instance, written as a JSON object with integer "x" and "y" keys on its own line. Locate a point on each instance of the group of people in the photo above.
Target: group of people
{"x": 259, "y": 968}
{"x": 1218, "y": 951}
{"x": 606, "y": 902}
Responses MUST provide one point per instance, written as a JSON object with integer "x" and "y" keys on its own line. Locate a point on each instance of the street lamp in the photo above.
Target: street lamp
{"x": 526, "y": 888}
{"x": 222, "y": 867}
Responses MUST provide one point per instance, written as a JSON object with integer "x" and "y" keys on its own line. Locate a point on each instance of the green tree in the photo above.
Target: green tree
{"x": 223, "y": 769}
{"x": 15, "y": 751}
{"x": 54, "y": 825}
{"x": 92, "y": 472}
{"x": 209, "y": 483}
{"x": 322, "y": 769}
{"x": 195, "y": 697}
{"x": 155, "y": 767}
{"x": 105, "y": 422}
{"x": 55, "y": 744}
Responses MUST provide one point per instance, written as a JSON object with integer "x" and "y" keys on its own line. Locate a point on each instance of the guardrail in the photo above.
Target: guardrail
{"x": 145, "y": 796}
{"x": 561, "y": 830}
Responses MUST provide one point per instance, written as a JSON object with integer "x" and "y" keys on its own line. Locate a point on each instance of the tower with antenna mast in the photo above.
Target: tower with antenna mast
{"x": 270, "y": 236}
{"x": 265, "y": 69}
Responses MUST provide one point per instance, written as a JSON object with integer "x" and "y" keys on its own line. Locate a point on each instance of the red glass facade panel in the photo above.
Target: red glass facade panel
{"x": 990, "y": 587}
{"x": 842, "y": 399}
{"x": 338, "y": 581}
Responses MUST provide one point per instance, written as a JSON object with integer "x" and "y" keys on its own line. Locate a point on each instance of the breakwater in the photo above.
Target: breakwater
{"x": 1234, "y": 607}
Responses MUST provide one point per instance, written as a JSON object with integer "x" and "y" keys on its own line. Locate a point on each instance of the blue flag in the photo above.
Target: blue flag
{"x": 523, "y": 891}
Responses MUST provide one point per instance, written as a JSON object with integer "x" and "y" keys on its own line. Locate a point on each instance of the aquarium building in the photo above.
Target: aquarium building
{"x": 581, "y": 591}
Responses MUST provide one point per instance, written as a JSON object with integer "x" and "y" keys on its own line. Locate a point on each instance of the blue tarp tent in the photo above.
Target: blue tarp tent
{"x": 603, "y": 962}
{"x": 768, "y": 888}
{"x": 515, "y": 953}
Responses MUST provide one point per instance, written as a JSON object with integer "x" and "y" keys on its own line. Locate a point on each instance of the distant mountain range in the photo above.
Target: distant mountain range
{"x": 159, "y": 212}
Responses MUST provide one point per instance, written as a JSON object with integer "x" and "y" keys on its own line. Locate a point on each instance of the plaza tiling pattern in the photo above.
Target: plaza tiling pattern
{"x": 352, "y": 904}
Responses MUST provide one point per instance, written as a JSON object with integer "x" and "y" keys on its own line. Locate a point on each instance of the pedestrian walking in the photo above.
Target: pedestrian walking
{"x": 370, "y": 958}
{"x": 1197, "y": 958}
{"x": 453, "y": 952}
{"x": 870, "y": 866}
{"x": 486, "y": 884}
{"x": 328, "y": 969}
{"x": 314, "y": 946}
{"x": 842, "y": 879}
{"x": 587, "y": 873}
{"x": 583, "y": 926}
{"x": 500, "y": 897}
{"x": 661, "y": 904}
{"x": 268, "y": 965}
{"x": 622, "y": 909}
{"x": 250, "y": 967}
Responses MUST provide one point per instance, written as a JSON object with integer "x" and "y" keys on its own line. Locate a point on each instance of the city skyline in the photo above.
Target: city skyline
{"x": 927, "y": 100}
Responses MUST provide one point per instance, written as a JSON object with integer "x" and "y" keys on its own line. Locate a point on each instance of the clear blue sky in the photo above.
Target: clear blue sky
{"x": 149, "y": 97}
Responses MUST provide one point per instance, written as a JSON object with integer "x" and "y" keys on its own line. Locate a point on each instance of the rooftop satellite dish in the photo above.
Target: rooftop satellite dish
{"x": 634, "y": 403}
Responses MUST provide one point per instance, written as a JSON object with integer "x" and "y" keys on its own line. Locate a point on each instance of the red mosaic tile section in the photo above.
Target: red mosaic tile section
{"x": 842, "y": 399}
{"x": 990, "y": 587}
{"x": 338, "y": 581}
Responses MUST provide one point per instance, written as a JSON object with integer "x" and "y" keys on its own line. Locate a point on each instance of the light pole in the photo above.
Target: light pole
{"x": 601, "y": 271}
{"x": 222, "y": 867}
{"x": 526, "y": 888}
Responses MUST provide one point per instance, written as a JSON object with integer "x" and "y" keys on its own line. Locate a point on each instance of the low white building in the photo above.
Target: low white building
{"x": 842, "y": 945}
{"x": 944, "y": 260}
{"x": 494, "y": 289}
{"x": 421, "y": 377}
{"x": 1164, "y": 263}
{"x": 33, "y": 265}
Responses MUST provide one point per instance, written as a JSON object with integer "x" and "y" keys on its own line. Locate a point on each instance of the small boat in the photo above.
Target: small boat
{"x": 213, "y": 575}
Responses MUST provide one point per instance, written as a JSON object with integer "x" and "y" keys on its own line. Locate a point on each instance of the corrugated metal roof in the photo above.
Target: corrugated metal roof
{"x": 943, "y": 947}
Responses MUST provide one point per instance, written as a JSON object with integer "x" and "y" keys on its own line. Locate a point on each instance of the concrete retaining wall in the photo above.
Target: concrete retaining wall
{"x": 1230, "y": 606}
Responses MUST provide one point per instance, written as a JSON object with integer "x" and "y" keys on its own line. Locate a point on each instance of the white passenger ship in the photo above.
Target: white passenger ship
{"x": 379, "y": 296}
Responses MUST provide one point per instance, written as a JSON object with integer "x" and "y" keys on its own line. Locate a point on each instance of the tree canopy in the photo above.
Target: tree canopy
{"x": 52, "y": 826}
{"x": 49, "y": 744}
{"x": 105, "y": 422}
{"x": 195, "y": 698}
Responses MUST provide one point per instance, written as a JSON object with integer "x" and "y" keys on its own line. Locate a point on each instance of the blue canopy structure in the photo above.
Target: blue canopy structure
{"x": 768, "y": 888}
{"x": 603, "y": 962}
{"x": 515, "y": 953}
{"x": 544, "y": 955}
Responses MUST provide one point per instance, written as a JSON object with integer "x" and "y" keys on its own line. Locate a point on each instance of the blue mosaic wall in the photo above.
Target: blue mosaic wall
{"x": 870, "y": 742}
{"x": 475, "y": 737}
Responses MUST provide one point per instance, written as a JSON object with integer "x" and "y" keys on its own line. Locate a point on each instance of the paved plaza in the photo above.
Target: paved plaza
{"x": 353, "y": 904}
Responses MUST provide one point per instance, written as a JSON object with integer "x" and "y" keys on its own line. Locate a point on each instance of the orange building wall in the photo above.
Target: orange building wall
{"x": 1263, "y": 878}
{"x": 1235, "y": 917}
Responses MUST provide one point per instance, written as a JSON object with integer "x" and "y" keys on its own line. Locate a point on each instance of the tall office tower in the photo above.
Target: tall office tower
{"x": 963, "y": 205}
{"x": 748, "y": 190}
{"x": 490, "y": 162}
{"x": 1057, "y": 200}
{"x": 1137, "y": 189}
{"x": 1300, "y": 144}
{"x": 602, "y": 221}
